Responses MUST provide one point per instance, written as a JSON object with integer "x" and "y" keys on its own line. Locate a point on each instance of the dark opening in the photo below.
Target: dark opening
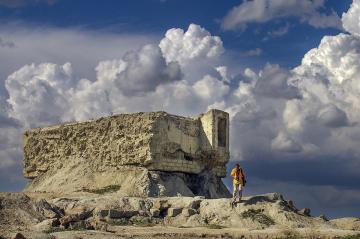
{"x": 222, "y": 132}
{"x": 188, "y": 157}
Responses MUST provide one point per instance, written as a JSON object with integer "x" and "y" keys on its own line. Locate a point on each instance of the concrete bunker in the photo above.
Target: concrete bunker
{"x": 161, "y": 147}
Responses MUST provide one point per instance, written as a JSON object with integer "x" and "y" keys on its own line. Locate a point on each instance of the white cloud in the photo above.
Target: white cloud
{"x": 82, "y": 48}
{"x": 260, "y": 11}
{"x": 351, "y": 19}
{"x": 211, "y": 88}
{"x": 332, "y": 116}
{"x": 272, "y": 82}
{"x": 38, "y": 94}
{"x": 139, "y": 71}
{"x": 195, "y": 43}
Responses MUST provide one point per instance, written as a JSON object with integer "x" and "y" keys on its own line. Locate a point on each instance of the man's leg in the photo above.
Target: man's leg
{"x": 240, "y": 189}
{"x": 235, "y": 193}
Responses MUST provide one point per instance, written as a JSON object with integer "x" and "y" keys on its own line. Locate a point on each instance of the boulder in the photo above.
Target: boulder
{"x": 81, "y": 212}
{"x": 49, "y": 211}
{"x": 347, "y": 223}
{"x": 187, "y": 212}
{"x": 195, "y": 204}
{"x": 46, "y": 225}
{"x": 173, "y": 212}
{"x": 161, "y": 205}
{"x": 50, "y": 214}
{"x": 101, "y": 213}
{"x": 323, "y": 217}
{"x": 114, "y": 214}
{"x": 81, "y": 225}
{"x": 154, "y": 212}
{"x": 305, "y": 212}
{"x": 18, "y": 236}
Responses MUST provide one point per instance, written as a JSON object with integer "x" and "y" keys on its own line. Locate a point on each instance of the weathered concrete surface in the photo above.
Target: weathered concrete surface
{"x": 140, "y": 154}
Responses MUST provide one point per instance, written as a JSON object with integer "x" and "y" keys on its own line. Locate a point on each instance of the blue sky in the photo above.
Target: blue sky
{"x": 294, "y": 114}
{"x": 156, "y": 16}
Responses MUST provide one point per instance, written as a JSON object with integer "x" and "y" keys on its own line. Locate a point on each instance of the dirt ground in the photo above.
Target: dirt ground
{"x": 160, "y": 232}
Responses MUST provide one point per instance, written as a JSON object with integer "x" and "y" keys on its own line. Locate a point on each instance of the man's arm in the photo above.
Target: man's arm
{"x": 233, "y": 173}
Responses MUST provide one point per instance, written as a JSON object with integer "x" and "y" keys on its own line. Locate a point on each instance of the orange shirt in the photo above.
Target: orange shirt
{"x": 241, "y": 176}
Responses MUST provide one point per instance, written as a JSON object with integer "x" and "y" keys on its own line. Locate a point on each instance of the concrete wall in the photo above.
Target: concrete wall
{"x": 107, "y": 142}
{"x": 191, "y": 144}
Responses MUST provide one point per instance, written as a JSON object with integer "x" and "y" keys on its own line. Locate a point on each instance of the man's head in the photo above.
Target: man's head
{"x": 237, "y": 166}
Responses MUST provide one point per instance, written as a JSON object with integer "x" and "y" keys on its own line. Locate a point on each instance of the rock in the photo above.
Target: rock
{"x": 187, "y": 212}
{"x": 290, "y": 203}
{"x": 81, "y": 212}
{"x": 142, "y": 213}
{"x": 18, "y": 211}
{"x": 101, "y": 213}
{"x": 50, "y": 214}
{"x": 322, "y": 216}
{"x": 195, "y": 204}
{"x": 81, "y": 225}
{"x": 154, "y": 212}
{"x": 72, "y": 218}
{"x": 114, "y": 214}
{"x": 173, "y": 212}
{"x": 48, "y": 210}
{"x": 47, "y": 225}
{"x": 347, "y": 223}
{"x": 161, "y": 205}
{"x": 99, "y": 225}
{"x": 305, "y": 212}
{"x": 18, "y": 236}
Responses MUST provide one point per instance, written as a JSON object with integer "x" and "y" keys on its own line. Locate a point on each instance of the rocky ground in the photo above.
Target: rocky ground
{"x": 98, "y": 215}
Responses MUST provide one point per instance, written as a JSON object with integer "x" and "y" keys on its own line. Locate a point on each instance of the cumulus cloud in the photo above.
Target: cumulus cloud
{"x": 196, "y": 42}
{"x": 332, "y": 116}
{"x": 260, "y": 11}
{"x": 211, "y": 88}
{"x": 272, "y": 81}
{"x": 57, "y": 45}
{"x": 38, "y": 94}
{"x": 351, "y": 19}
{"x": 140, "y": 71}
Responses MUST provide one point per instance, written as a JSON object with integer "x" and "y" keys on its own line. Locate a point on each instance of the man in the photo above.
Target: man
{"x": 239, "y": 182}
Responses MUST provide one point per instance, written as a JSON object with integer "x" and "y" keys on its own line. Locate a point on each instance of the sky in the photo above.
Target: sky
{"x": 287, "y": 71}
